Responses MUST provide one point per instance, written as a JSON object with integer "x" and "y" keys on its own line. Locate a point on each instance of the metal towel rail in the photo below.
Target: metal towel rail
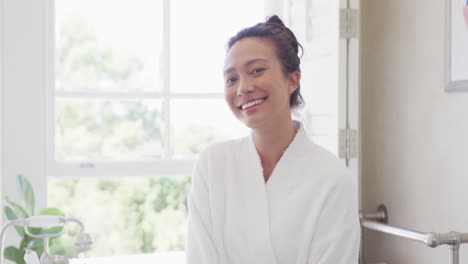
{"x": 377, "y": 221}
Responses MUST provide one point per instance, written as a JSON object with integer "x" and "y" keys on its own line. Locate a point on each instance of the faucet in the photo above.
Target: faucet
{"x": 82, "y": 242}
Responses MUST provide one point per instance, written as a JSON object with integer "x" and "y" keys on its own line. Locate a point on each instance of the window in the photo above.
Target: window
{"x": 138, "y": 93}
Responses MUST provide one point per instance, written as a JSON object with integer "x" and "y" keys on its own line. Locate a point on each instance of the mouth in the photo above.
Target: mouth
{"x": 252, "y": 103}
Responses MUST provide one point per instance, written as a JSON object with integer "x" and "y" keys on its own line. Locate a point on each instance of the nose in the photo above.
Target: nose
{"x": 245, "y": 86}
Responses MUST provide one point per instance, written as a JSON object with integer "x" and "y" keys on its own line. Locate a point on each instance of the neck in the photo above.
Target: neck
{"x": 272, "y": 141}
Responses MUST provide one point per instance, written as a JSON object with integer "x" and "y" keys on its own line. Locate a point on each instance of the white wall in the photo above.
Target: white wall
{"x": 414, "y": 135}
{"x": 23, "y": 95}
{"x": 1, "y": 99}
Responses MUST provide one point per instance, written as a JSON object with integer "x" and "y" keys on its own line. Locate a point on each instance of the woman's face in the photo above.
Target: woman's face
{"x": 256, "y": 88}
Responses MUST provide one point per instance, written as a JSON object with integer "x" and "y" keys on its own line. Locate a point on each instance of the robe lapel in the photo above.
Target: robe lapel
{"x": 258, "y": 207}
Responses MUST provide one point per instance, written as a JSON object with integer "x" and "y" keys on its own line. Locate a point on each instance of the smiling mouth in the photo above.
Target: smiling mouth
{"x": 252, "y": 103}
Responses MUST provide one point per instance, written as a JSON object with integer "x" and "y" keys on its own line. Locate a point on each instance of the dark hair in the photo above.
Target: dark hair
{"x": 287, "y": 48}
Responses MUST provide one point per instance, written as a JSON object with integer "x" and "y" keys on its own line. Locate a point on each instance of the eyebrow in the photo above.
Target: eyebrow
{"x": 247, "y": 64}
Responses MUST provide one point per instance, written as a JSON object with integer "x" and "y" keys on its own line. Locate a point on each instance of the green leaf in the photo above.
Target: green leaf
{"x": 52, "y": 211}
{"x": 18, "y": 209}
{"x": 10, "y": 215}
{"x": 14, "y": 254}
{"x": 24, "y": 241}
{"x": 26, "y": 193}
{"x": 36, "y": 244}
{"x": 35, "y": 230}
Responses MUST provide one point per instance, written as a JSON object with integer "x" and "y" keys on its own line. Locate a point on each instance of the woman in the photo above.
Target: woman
{"x": 273, "y": 197}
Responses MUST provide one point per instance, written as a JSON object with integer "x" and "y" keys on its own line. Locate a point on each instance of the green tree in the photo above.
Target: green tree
{"x": 125, "y": 216}
{"x": 81, "y": 64}
{"x": 104, "y": 129}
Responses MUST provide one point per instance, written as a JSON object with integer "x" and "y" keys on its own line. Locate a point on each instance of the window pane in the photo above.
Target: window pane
{"x": 107, "y": 130}
{"x": 142, "y": 215}
{"x": 196, "y": 123}
{"x": 198, "y": 40}
{"x": 108, "y": 45}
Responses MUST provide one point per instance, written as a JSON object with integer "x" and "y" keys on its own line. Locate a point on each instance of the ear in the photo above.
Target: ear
{"x": 294, "y": 80}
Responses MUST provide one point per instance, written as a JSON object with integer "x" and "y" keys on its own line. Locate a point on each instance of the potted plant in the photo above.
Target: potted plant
{"x": 25, "y": 209}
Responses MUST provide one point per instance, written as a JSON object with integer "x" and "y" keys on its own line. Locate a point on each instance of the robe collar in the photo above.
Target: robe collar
{"x": 296, "y": 144}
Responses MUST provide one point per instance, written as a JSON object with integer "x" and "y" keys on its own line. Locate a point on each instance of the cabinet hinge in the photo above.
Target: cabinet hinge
{"x": 349, "y": 23}
{"x": 348, "y": 139}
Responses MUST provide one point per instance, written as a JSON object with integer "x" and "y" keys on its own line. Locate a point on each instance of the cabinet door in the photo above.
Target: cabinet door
{"x": 329, "y": 32}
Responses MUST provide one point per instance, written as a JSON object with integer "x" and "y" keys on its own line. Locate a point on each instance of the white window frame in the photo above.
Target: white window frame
{"x": 166, "y": 166}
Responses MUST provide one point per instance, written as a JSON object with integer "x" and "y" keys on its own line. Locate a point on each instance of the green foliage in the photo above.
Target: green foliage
{"x": 82, "y": 64}
{"x": 14, "y": 254}
{"x": 128, "y": 216}
{"x": 26, "y": 193}
{"x": 125, "y": 130}
{"x": 194, "y": 138}
{"x": 142, "y": 215}
{"x": 105, "y": 129}
{"x": 25, "y": 209}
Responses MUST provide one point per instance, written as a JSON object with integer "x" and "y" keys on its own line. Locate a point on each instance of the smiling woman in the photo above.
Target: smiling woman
{"x": 252, "y": 65}
{"x": 273, "y": 196}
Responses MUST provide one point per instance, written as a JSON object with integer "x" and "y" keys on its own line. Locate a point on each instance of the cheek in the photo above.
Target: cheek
{"x": 229, "y": 97}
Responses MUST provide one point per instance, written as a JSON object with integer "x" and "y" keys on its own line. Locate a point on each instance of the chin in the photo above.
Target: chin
{"x": 251, "y": 123}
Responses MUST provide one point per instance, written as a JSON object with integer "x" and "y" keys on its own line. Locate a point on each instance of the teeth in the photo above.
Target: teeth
{"x": 256, "y": 102}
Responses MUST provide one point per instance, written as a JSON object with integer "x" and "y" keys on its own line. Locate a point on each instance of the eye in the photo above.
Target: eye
{"x": 231, "y": 81}
{"x": 258, "y": 70}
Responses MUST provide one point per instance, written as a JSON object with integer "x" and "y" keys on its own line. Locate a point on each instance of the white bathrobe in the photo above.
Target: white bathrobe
{"x": 306, "y": 213}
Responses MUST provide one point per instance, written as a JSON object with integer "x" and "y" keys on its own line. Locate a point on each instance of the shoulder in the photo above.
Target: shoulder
{"x": 332, "y": 169}
{"x": 319, "y": 156}
{"x": 338, "y": 186}
{"x": 214, "y": 159}
{"x": 218, "y": 153}
{"x": 221, "y": 148}
{"x": 341, "y": 181}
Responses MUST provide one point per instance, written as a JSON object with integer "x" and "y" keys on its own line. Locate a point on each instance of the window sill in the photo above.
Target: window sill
{"x": 175, "y": 257}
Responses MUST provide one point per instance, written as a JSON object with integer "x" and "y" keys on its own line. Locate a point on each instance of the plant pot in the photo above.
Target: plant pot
{"x": 465, "y": 14}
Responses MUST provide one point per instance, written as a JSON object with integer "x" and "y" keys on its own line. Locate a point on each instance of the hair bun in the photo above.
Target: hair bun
{"x": 275, "y": 20}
